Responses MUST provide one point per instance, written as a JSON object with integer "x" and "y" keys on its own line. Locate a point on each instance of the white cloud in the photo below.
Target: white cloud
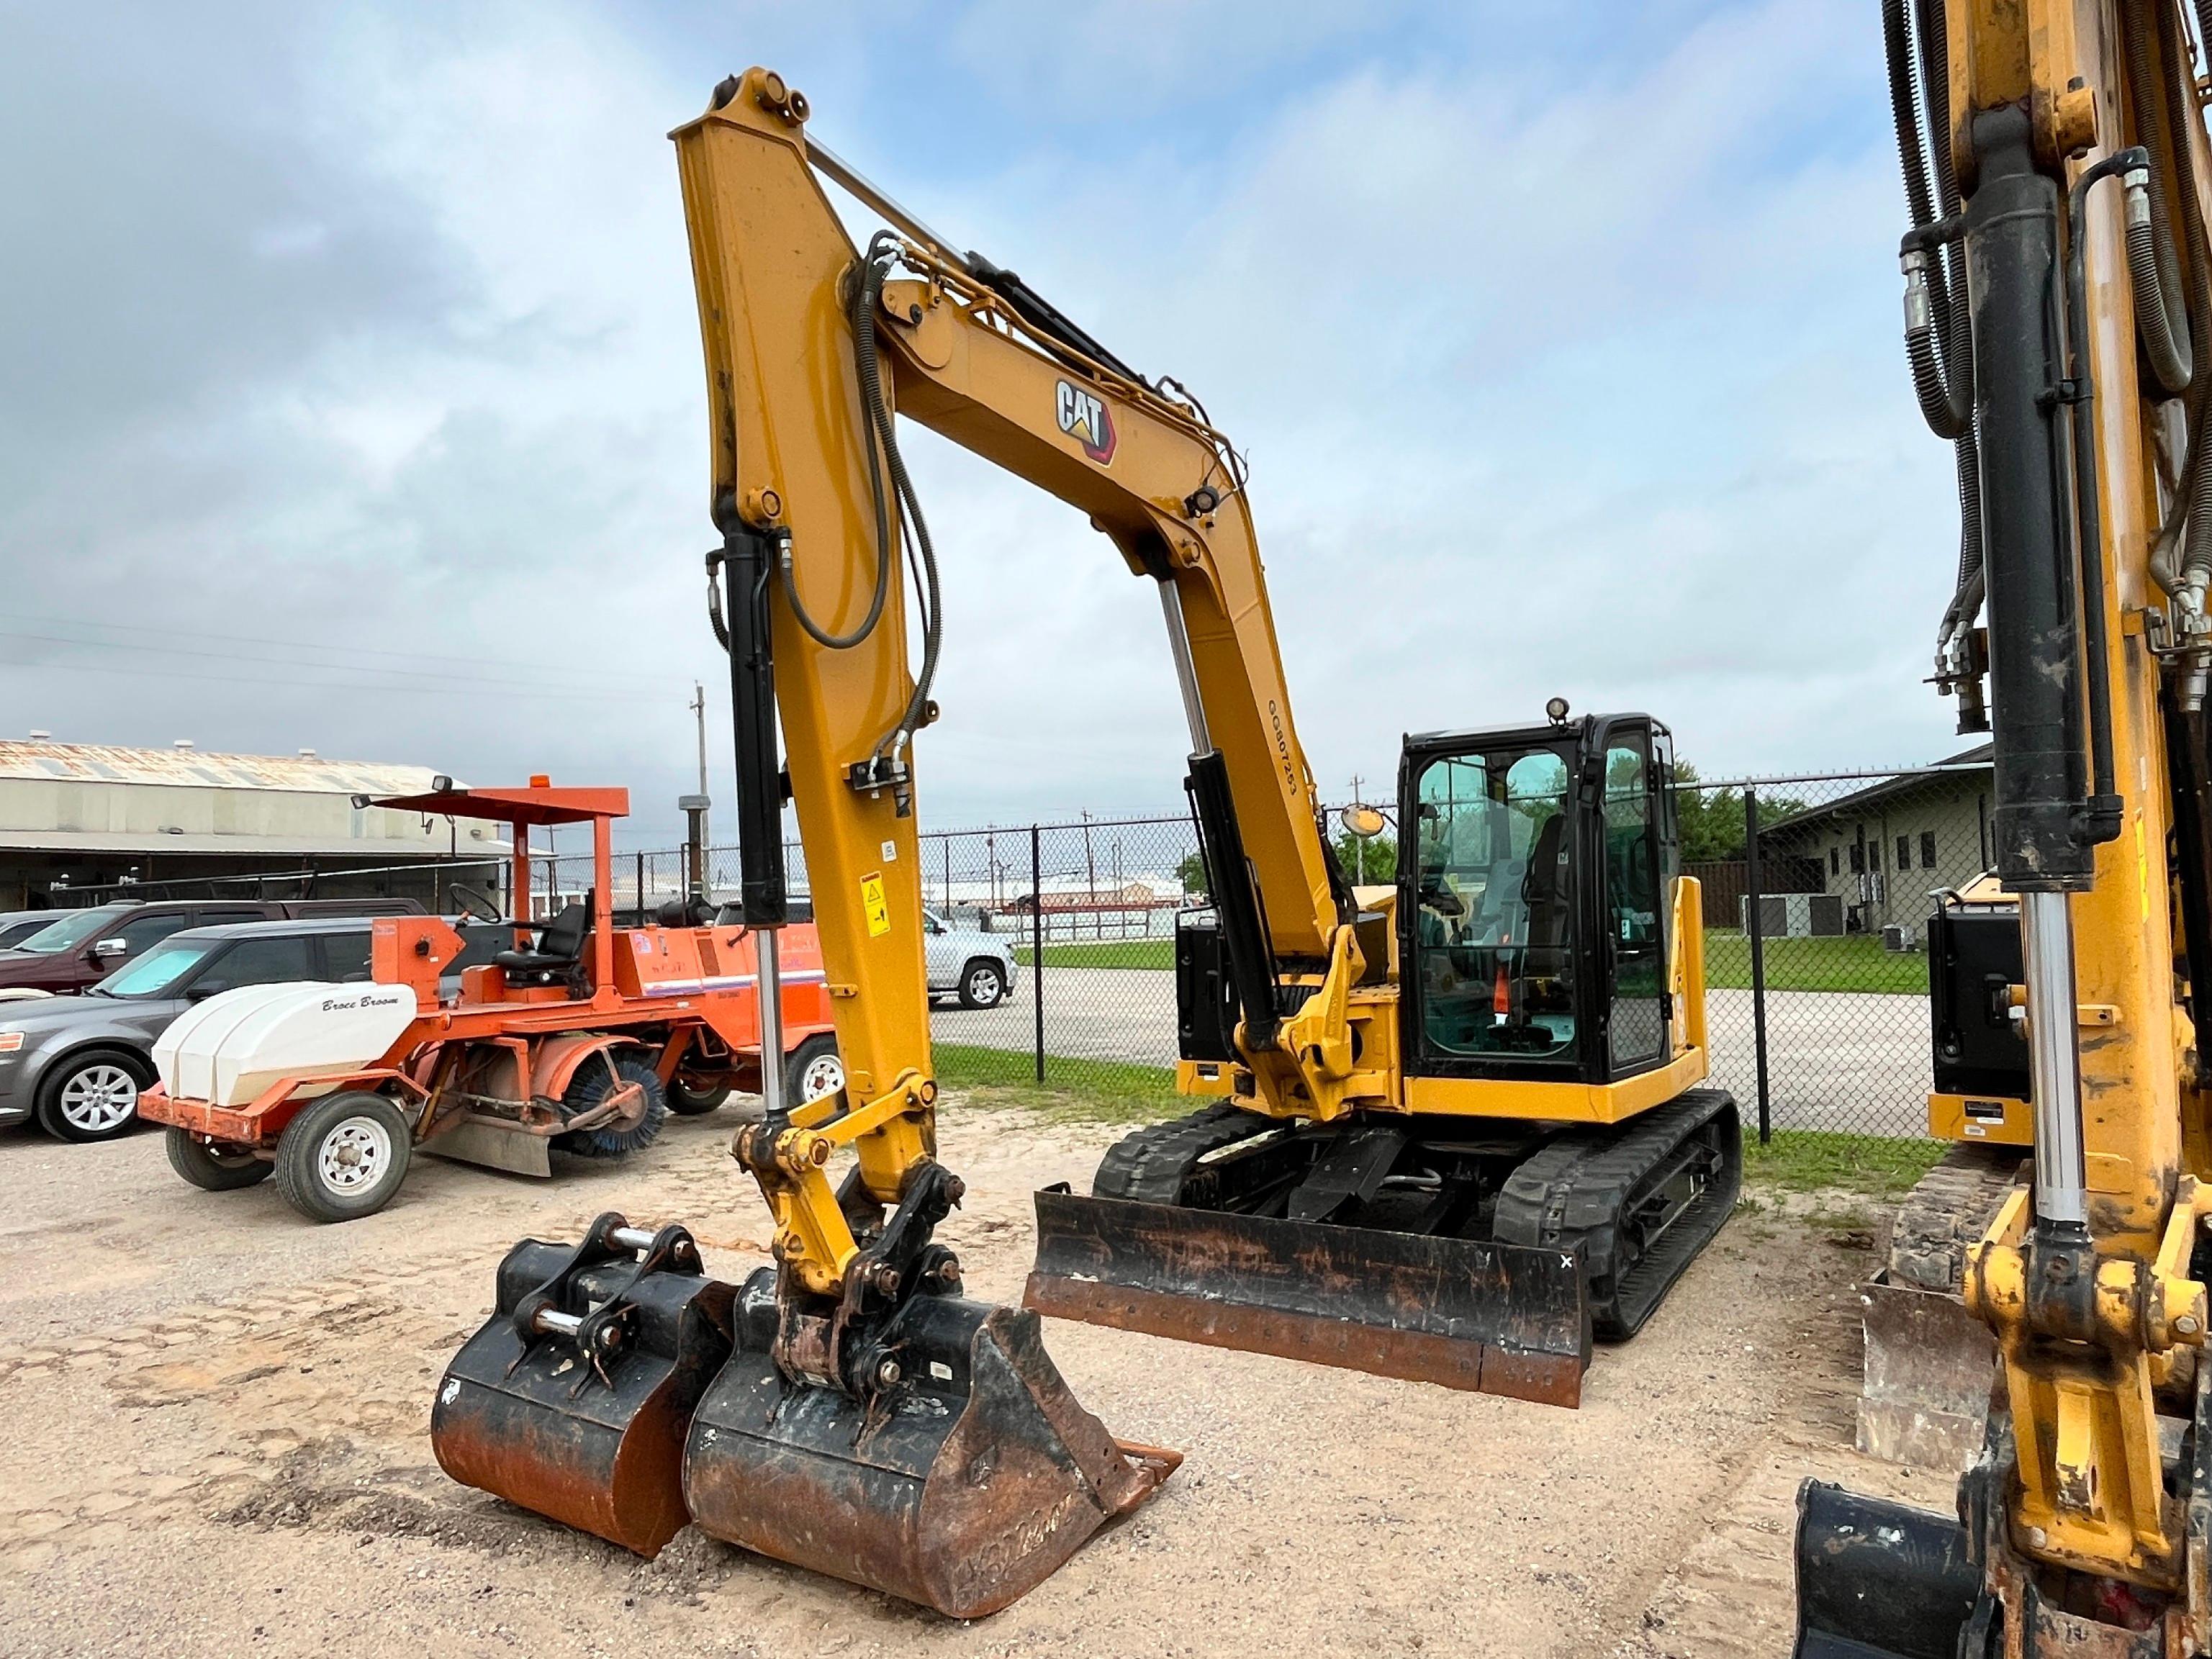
{"x": 1556, "y": 375}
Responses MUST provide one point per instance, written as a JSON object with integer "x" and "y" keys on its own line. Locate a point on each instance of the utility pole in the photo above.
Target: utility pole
{"x": 699, "y": 714}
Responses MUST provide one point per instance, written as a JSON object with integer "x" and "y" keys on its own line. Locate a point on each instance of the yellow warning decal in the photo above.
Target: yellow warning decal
{"x": 875, "y": 906}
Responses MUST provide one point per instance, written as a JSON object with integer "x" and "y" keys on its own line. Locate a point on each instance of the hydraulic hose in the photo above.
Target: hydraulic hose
{"x": 2180, "y": 561}
{"x": 867, "y": 295}
{"x": 2154, "y": 272}
{"x": 1937, "y": 327}
{"x": 1939, "y": 333}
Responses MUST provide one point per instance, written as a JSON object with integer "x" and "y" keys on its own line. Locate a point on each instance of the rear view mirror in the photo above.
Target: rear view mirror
{"x": 1364, "y": 821}
{"x": 108, "y": 948}
{"x": 204, "y": 989}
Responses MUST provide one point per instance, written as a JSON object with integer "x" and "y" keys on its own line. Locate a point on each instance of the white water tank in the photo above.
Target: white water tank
{"x": 228, "y": 1050}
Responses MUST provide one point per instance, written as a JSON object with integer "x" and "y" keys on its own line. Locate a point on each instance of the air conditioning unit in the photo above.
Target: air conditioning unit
{"x": 1796, "y": 915}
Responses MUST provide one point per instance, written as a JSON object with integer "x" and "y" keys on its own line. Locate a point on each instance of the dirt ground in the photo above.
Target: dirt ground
{"x": 216, "y": 1429}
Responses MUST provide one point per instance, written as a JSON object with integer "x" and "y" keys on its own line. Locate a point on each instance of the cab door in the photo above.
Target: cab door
{"x": 1634, "y": 839}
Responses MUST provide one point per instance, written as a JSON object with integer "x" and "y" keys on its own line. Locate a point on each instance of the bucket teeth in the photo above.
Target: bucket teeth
{"x": 960, "y": 1488}
{"x": 596, "y": 1447}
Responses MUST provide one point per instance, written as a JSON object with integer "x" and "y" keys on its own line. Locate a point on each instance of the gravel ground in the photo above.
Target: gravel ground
{"x": 217, "y": 1445}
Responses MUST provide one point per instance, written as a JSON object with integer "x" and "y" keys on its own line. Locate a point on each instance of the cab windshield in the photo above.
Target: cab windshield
{"x": 72, "y": 930}
{"x": 154, "y": 973}
{"x": 1494, "y": 932}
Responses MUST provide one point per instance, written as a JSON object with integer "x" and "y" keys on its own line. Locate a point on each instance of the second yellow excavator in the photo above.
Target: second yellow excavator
{"x": 1459, "y": 1124}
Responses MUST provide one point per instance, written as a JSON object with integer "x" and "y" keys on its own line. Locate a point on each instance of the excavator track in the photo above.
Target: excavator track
{"x": 1640, "y": 1201}
{"x": 1947, "y": 1210}
{"x": 1154, "y": 1164}
{"x": 1924, "y": 1390}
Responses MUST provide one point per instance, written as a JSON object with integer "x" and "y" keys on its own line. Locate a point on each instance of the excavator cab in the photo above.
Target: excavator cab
{"x": 1534, "y": 869}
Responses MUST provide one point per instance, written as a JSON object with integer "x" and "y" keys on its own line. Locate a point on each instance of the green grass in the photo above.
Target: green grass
{"x": 1103, "y": 953}
{"x": 1074, "y": 1090}
{"x": 1815, "y": 1160}
{"x": 1109, "y": 1092}
{"x": 1855, "y": 963}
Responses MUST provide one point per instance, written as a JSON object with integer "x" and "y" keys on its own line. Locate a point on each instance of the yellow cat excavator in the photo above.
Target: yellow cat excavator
{"x": 2058, "y": 319}
{"x": 1459, "y": 1123}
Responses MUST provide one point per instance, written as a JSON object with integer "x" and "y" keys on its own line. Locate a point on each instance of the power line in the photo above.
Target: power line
{"x": 422, "y": 686}
{"x": 322, "y": 650}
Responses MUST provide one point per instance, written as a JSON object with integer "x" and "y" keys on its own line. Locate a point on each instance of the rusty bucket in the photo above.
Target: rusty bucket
{"x": 573, "y": 1398}
{"x": 960, "y": 1488}
{"x": 1882, "y": 1580}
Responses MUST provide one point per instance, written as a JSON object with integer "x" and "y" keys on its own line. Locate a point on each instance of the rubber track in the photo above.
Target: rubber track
{"x": 1947, "y": 1210}
{"x": 1152, "y": 1164}
{"x": 1575, "y": 1188}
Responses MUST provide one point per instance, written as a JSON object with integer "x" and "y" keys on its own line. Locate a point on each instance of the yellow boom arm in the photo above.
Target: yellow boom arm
{"x": 964, "y": 352}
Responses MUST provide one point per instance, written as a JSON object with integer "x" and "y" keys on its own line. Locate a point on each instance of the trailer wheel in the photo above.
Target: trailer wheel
{"x": 814, "y": 1068}
{"x": 214, "y": 1167}
{"x": 594, "y": 1081}
{"x": 343, "y": 1156}
{"x": 688, "y": 1098}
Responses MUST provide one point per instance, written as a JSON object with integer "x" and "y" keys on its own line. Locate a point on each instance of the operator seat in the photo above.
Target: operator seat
{"x": 560, "y": 945}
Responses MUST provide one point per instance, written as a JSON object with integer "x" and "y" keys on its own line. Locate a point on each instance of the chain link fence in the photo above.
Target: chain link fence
{"x": 1051, "y": 947}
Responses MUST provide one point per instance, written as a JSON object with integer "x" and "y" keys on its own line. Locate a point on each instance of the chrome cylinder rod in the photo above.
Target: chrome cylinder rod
{"x": 769, "y": 989}
{"x": 2047, "y": 926}
{"x": 1186, "y": 671}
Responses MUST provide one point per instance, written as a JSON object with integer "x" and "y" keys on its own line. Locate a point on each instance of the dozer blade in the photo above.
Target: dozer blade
{"x": 969, "y": 1483}
{"x": 1881, "y": 1580}
{"x": 1505, "y": 1319}
{"x": 542, "y": 1428}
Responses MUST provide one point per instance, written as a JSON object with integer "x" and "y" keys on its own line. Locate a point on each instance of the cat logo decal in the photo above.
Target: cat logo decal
{"x": 1087, "y": 420}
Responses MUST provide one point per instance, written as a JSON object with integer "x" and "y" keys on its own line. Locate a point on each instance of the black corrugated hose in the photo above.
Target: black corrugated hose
{"x": 1940, "y": 353}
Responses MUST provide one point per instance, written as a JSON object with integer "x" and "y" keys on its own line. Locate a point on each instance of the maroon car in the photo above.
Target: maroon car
{"x": 79, "y": 948}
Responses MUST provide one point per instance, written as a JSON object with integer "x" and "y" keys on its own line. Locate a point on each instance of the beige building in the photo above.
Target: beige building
{"x": 1886, "y": 847}
{"x": 73, "y": 816}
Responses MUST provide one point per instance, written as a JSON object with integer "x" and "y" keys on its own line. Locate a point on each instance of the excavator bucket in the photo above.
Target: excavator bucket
{"x": 1882, "y": 1580}
{"x": 573, "y": 1398}
{"x": 966, "y": 1484}
{"x": 1491, "y": 1318}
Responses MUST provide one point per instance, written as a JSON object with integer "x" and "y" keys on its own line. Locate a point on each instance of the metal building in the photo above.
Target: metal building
{"x": 73, "y": 816}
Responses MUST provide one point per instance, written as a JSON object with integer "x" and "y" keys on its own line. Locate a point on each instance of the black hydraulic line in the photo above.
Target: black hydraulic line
{"x": 1941, "y": 354}
{"x": 747, "y": 561}
{"x": 867, "y": 295}
{"x": 1935, "y": 342}
{"x": 1236, "y": 897}
{"x": 2171, "y": 101}
{"x": 1041, "y": 314}
{"x": 2104, "y": 807}
{"x": 2153, "y": 270}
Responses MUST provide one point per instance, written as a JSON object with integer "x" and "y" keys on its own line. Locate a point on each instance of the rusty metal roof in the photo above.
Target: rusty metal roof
{"x": 94, "y": 763}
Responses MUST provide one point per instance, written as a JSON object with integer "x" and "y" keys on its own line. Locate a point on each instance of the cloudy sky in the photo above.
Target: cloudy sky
{"x": 353, "y": 396}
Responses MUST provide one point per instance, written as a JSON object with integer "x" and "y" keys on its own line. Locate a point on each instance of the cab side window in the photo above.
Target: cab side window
{"x": 261, "y": 962}
{"x": 140, "y": 932}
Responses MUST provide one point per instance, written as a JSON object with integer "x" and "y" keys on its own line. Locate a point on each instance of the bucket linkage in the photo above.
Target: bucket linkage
{"x": 900, "y": 1435}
